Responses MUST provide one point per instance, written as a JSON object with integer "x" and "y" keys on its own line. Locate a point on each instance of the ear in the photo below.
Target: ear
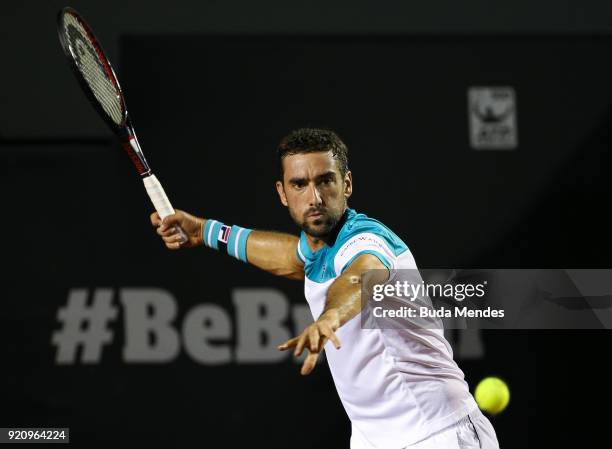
{"x": 348, "y": 185}
{"x": 281, "y": 193}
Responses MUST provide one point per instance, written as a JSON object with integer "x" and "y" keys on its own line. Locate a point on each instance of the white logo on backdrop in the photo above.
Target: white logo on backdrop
{"x": 492, "y": 118}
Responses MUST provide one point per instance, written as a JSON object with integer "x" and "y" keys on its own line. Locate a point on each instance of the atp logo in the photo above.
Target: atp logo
{"x": 492, "y": 118}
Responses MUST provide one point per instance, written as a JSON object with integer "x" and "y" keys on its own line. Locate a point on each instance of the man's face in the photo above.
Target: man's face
{"x": 314, "y": 191}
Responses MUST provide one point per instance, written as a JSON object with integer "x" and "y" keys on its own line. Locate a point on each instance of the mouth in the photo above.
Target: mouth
{"x": 315, "y": 215}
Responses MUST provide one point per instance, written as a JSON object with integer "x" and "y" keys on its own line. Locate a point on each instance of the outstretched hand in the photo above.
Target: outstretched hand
{"x": 313, "y": 338}
{"x": 168, "y": 229}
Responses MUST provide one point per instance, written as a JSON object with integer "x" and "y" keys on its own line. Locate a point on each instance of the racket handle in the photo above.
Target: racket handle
{"x": 161, "y": 201}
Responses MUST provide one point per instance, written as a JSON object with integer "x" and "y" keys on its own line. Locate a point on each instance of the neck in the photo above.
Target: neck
{"x": 316, "y": 243}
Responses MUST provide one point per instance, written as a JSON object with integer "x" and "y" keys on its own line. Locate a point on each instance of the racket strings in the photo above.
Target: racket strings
{"x": 93, "y": 69}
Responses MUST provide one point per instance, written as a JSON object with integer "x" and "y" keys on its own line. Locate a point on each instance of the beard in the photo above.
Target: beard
{"x": 320, "y": 226}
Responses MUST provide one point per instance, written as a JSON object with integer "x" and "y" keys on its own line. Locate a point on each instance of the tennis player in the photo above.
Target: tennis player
{"x": 400, "y": 387}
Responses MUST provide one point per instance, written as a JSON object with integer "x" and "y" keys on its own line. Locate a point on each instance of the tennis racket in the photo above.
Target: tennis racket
{"x": 99, "y": 82}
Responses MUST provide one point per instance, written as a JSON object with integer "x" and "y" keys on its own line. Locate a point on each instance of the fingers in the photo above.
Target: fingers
{"x": 309, "y": 363}
{"x": 173, "y": 245}
{"x": 169, "y": 229}
{"x": 155, "y": 219}
{"x": 300, "y": 344}
{"x": 170, "y": 221}
{"x": 288, "y": 344}
{"x": 311, "y": 359}
{"x": 313, "y": 336}
{"x": 166, "y": 226}
{"x": 314, "y": 339}
{"x": 168, "y": 232}
{"x": 327, "y": 331}
{"x": 172, "y": 237}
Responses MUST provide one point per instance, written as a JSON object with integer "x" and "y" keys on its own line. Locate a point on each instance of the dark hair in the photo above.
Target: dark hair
{"x": 311, "y": 140}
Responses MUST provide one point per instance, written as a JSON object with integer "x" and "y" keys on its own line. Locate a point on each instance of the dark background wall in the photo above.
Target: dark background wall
{"x": 27, "y": 37}
{"x": 242, "y": 75}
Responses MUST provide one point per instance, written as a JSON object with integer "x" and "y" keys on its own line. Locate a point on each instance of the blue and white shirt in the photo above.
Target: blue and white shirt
{"x": 398, "y": 386}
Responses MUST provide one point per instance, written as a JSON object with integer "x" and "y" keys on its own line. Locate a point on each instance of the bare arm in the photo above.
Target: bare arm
{"x": 273, "y": 252}
{"x": 343, "y": 303}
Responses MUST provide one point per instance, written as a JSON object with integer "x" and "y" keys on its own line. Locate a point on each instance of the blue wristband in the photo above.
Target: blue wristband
{"x": 231, "y": 239}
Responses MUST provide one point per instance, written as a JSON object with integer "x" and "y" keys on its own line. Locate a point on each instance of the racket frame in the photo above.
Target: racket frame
{"x": 124, "y": 131}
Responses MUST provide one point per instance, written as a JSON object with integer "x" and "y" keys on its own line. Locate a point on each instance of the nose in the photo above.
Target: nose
{"x": 315, "y": 196}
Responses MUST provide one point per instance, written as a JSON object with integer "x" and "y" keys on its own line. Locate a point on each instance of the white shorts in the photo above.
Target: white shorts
{"x": 471, "y": 432}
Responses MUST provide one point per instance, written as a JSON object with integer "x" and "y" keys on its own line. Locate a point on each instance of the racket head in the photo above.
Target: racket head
{"x": 98, "y": 80}
{"x": 92, "y": 68}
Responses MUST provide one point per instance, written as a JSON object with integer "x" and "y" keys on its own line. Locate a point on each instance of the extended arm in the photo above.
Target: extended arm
{"x": 343, "y": 303}
{"x": 273, "y": 252}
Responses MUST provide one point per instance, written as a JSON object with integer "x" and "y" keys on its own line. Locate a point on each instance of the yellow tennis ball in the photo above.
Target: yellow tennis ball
{"x": 492, "y": 395}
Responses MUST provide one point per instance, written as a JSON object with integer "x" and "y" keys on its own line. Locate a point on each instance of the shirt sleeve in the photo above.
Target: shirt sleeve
{"x": 363, "y": 243}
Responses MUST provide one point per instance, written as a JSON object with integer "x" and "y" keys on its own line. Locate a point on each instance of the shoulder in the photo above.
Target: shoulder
{"x": 364, "y": 235}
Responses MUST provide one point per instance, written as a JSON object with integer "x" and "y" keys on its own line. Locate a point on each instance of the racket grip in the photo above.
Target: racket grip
{"x": 161, "y": 201}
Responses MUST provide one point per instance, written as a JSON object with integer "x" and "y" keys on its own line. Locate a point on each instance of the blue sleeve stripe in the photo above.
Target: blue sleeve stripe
{"x": 379, "y": 255}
